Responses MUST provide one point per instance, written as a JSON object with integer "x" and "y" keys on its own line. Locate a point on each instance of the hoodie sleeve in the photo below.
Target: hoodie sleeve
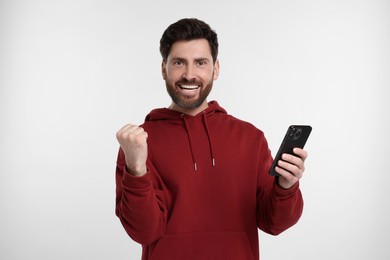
{"x": 141, "y": 203}
{"x": 277, "y": 209}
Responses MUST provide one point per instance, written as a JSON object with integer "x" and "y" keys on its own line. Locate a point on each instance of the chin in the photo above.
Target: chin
{"x": 189, "y": 103}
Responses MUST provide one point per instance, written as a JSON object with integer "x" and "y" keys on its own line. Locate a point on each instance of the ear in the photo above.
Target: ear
{"x": 164, "y": 70}
{"x": 216, "y": 70}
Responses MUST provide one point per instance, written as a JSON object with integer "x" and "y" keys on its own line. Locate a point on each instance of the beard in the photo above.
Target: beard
{"x": 184, "y": 101}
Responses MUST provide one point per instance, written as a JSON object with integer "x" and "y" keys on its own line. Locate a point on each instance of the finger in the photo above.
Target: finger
{"x": 136, "y": 133}
{"x": 129, "y": 131}
{"x": 135, "y": 130}
{"x": 293, "y": 159}
{"x": 132, "y": 130}
{"x": 125, "y": 128}
{"x": 291, "y": 168}
{"x": 301, "y": 153}
{"x": 286, "y": 174}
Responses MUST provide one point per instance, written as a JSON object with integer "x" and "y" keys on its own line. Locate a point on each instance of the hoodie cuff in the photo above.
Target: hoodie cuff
{"x": 132, "y": 181}
{"x": 285, "y": 193}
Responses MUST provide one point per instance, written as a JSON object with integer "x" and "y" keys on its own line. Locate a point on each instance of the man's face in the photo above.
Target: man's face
{"x": 189, "y": 72}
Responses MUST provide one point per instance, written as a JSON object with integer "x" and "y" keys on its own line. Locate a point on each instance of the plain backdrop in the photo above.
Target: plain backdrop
{"x": 73, "y": 72}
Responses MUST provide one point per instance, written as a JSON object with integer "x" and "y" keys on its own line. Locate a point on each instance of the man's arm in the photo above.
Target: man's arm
{"x": 280, "y": 210}
{"x": 141, "y": 201}
{"x": 279, "y": 200}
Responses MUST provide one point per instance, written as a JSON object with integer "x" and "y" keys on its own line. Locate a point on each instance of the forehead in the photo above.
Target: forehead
{"x": 192, "y": 49}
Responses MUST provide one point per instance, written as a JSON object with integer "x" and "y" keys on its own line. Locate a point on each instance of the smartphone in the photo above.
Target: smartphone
{"x": 296, "y": 136}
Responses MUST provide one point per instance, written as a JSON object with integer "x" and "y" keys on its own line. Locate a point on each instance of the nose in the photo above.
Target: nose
{"x": 189, "y": 73}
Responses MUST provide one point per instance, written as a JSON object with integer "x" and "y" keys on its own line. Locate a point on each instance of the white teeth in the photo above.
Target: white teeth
{"x": 189, "y": 87}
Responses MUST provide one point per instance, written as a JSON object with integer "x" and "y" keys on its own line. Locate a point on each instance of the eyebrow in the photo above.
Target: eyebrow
{"x": 196, "y": 60}
{"x": 201, "y": 59}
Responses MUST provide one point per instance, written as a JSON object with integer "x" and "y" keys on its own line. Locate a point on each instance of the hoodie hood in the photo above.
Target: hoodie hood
{"x": 175, "y": 117}
{"x": 168, "y": 114}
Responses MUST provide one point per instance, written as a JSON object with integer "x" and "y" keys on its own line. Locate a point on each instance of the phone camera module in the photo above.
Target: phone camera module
{"x": 295, "y": 133}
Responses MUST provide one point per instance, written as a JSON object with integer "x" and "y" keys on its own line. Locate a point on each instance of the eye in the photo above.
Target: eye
{"x": 201, "y": 63}
{"x": 177, "y": 63}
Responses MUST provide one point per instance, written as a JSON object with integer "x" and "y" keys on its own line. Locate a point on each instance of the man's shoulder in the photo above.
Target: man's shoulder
{"x": 241, "y": 124}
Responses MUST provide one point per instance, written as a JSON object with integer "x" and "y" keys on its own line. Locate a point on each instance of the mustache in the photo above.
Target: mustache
{"x": 188, "y": 82}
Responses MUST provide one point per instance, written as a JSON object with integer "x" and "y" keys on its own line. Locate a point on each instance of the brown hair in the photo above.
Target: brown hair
{"x": 188, "y": 29}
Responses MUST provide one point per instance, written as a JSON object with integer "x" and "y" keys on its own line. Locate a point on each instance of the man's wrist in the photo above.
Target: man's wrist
{"x": 137, "y": 172}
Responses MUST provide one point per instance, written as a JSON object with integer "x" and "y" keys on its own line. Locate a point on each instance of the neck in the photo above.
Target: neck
{"x": 189, "y": 111}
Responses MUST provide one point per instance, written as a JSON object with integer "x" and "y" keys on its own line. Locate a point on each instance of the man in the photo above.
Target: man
{"x": 193, "y": 182}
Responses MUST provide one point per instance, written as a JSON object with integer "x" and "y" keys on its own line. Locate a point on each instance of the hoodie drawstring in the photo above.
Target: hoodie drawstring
{"x": 208, "y": 135}
{"x": 190, "y": 139}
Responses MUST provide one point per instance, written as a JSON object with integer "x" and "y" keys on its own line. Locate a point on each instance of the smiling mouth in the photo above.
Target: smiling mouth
{"x": 189, "y": 87}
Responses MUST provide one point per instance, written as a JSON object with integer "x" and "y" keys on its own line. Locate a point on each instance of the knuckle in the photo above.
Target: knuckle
{"x": 119, "y": 135}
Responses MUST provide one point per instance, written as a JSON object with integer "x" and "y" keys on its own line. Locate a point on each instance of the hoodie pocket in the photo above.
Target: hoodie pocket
{"x": 226, "y": 245}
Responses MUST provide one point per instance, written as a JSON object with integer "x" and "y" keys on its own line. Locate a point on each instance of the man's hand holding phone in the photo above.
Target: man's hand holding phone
{"x": 291, "y": 168}
{"x": 289, "y": 162}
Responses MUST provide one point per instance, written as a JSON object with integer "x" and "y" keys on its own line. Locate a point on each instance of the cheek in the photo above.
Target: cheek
{"x": 173, "y": 75}
{"x": 205, "y": 74}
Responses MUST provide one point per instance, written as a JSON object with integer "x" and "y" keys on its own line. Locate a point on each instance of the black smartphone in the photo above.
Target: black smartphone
{"x": 296, "y": 136}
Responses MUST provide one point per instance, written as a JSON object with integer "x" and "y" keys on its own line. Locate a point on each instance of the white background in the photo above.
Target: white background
{"x": 73, "y": 72}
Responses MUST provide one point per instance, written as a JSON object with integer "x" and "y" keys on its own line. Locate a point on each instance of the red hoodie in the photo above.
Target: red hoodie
{"x": 207, "y": 189}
